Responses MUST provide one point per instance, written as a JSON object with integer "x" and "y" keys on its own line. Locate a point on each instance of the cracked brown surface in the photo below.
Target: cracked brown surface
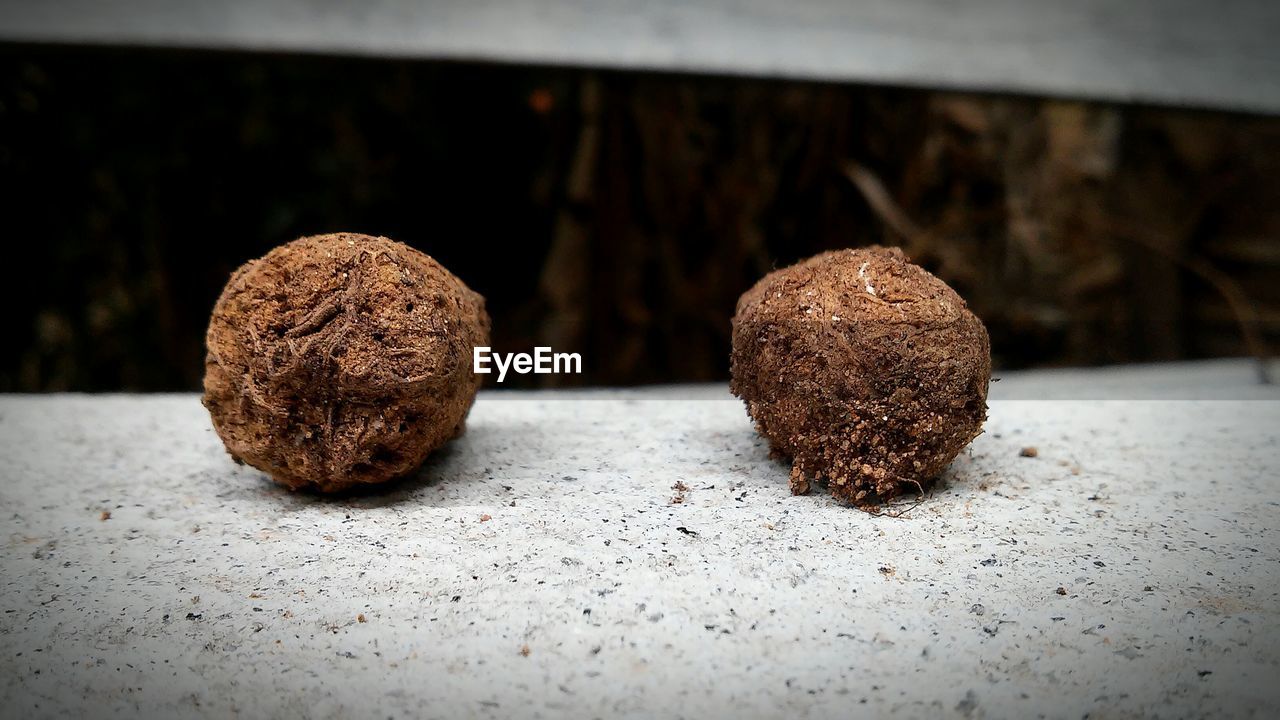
{"x": 865, "y": 370}
{"x": 339, "y": 360}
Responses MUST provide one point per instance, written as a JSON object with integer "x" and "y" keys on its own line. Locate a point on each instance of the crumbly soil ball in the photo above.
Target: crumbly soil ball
{"x": 339, "y": 360}
{"x": 867, "y": 371}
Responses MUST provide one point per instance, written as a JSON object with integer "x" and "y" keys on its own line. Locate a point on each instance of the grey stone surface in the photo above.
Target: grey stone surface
{"x": 587, "y": 592}
{"x": 1209, "y": 53}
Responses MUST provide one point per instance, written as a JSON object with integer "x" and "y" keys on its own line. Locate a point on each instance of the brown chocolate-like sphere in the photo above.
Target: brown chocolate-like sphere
{"x": 868, "y": 372}
{"x": 340, "y": 360}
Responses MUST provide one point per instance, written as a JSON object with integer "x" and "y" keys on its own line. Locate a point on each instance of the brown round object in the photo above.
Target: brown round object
{"x": 344, "y": 359}
{"x": 864, "y": 369}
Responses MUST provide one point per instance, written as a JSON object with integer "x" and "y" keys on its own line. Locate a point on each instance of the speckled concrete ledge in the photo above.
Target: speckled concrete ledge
{"x": 544, "y": 566}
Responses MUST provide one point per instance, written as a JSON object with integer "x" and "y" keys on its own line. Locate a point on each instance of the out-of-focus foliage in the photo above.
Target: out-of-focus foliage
{"x": 617, "y": 215}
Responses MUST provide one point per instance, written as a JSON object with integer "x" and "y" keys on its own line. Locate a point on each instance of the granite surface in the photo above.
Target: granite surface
{"x": 544, "y": 565}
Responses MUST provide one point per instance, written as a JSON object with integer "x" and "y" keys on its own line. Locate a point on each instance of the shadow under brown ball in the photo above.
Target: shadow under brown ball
{"x": 868, "y": 372}
{"x": 340, "y": 360}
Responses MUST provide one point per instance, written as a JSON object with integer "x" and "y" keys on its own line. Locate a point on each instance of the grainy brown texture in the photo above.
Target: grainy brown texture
{"x": 864, "y": 369}
{"x": 343, "y": 359}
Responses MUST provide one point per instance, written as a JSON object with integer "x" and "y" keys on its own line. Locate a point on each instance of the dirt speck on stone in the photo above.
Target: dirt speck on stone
{"x": 681, "y": 493}
{"x": 341, "y": 360}
{"x": 1061, "y": 591}
{"x": 106, "y": 515}
{"x": 1029, "y": 452}
{"x": 524, "y": 650}
{"x": 486, "y": 517}
{"x": 360, "y": 618}
{"x": 866, "y": 371}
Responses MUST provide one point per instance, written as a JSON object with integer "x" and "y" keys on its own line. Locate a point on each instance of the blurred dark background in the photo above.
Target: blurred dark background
{"x": 616, "y": 214}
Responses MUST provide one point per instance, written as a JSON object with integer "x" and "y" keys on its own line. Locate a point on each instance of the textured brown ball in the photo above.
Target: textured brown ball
{"x": 339, "y": 360}
{"x": 864, "y": 369}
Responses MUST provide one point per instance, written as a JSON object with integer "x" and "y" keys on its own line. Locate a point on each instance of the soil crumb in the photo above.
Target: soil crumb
{"x": 865, "y": 370}
{"x": 681, "y": 493}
